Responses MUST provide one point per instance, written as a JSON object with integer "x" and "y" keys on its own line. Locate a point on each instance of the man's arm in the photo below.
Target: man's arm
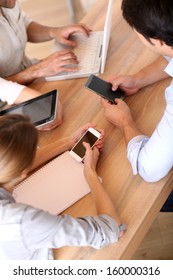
{"x": 150, "y": 74}
{"x": 120, "y": 116}
{"x": 48, "y": 66}
{"x": 39, "y": 33}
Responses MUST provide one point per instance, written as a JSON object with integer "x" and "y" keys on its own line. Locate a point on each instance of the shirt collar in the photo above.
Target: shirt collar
{"x": 169, "y": 67}
{"x": 5, "y": 195}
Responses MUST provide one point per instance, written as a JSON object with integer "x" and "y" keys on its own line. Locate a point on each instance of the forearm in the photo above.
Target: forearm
{"x": 26, "y": 94}
{"x": 27, "y": 75}
{"x": 103, "y": 202}
{"x": 152, "y": 73}
{"x": 130, "y": 130}
{"x": 38, "y": 33}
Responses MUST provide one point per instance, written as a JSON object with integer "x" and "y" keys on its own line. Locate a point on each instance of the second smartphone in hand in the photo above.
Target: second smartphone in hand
{"x": 103, "y": 88}
{"x": 90, "y": 136}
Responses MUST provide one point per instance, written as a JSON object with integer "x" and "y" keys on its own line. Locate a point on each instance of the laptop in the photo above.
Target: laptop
{"x": 42, "y": 110}
{"x": 91, "y": 52}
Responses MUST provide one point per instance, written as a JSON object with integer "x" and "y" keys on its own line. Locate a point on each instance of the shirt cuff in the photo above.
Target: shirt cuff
{"x": 133, "y": 149}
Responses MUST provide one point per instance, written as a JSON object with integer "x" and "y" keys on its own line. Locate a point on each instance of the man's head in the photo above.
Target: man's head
{"x": 153, "y": 19}
{"x": 7, "y": 3}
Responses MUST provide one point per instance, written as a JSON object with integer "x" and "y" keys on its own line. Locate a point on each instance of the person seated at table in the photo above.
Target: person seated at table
{"x": 150, "y": 156}
{"x": 16, "y": 30}
{"x": 18, "y": 148}
{"x": 14, "y": 93}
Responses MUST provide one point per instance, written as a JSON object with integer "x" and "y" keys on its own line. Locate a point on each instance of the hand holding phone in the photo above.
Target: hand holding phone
{"x": 103, "y": 88}
{"x": 90, "y": 136}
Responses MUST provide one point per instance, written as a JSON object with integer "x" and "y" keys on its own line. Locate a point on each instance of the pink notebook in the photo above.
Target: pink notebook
{"x": 55, "y": 186}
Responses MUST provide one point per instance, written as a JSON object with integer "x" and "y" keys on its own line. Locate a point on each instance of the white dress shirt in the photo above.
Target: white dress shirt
{"x": 152, "y": 157}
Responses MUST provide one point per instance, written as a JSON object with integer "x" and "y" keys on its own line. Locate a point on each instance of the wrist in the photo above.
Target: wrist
{"x": 126, "y": 122}
{"x": 33, "y": 71}
{"x": 52, "y": 31}
{"x": 130, "y": 131}
{"x": 90, "y": 173}
{"x": 138, "y": 80}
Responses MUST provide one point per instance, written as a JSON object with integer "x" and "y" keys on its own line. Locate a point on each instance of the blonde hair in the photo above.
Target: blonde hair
{"x": 18, "y": 142}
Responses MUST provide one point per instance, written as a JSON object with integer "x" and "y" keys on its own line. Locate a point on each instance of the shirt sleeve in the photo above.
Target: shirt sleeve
{"x": 26, "y": 19}
{"x": 41, "y": 229}
{"x": 152, "y": 157}
{"x": 9, "y": 91}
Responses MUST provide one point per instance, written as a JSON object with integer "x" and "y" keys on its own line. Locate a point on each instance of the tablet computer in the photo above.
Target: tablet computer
{"x": 42, "y": 110}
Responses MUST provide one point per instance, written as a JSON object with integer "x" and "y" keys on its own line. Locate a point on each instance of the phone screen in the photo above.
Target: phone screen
{"x": 103, "y": 88}
{"x": 88, "y": 137}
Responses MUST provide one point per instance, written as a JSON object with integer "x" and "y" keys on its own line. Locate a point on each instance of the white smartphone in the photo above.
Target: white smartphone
{"x": 90, "y": 136}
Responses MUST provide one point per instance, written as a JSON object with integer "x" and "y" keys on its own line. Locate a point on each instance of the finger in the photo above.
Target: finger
{"x": 88, "y": 125}
{"x": 118, "y": 101}
{"x": 63, "y": 53}
{"x": 71, "y": 62}
{"x": 67, "y": 41}
{"x": 117, "y": 82}
{"x": 85, "y": 127}
{"x": 102, "y": 133}
{"x": 65, "y": 69}
{"x": 69, "y": 58}
{"x": 105, "y": 103}
{"x": 87, "y": 146}
{"x": 66, "y": 55}
{"x": 83, "y": 29}
{"x": 86, "y": 28}
{"x": 96, "y": 151}
{"x": 80, "y": 28}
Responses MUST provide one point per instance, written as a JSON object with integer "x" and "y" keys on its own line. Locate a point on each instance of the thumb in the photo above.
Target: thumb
{"x": 104, "y": 103}
{"x": 67, "y": 41}
{"x": 86, "y": 145}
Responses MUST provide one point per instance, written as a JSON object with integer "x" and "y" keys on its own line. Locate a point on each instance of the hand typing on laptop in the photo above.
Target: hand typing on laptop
{"x": 90, "y": 49}
{"x": 63, "y": 60}
{"x": 63, "y": 34}
{"x": 24, "y": 69}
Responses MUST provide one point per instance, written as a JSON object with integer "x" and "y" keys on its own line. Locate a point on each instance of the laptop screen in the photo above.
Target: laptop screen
{"x": 106, "y": 36}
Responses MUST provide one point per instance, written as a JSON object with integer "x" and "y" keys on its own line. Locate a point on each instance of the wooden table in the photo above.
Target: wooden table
{"x": 136, "y": 201}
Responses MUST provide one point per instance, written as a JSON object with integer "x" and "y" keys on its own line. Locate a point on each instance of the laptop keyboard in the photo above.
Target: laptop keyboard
{"x": 88, "y": 51}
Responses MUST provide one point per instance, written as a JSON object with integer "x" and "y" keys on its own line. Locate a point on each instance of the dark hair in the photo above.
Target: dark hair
{"x": 151, "y": 18}
{"x": 18, "y": 143}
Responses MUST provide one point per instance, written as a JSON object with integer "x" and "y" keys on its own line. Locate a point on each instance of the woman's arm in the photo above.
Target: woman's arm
{"x": 103, "y": 202}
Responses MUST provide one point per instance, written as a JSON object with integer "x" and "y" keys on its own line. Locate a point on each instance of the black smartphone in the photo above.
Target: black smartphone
{"x": 42, "y": 110}
{"x": 104, "y": 88}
